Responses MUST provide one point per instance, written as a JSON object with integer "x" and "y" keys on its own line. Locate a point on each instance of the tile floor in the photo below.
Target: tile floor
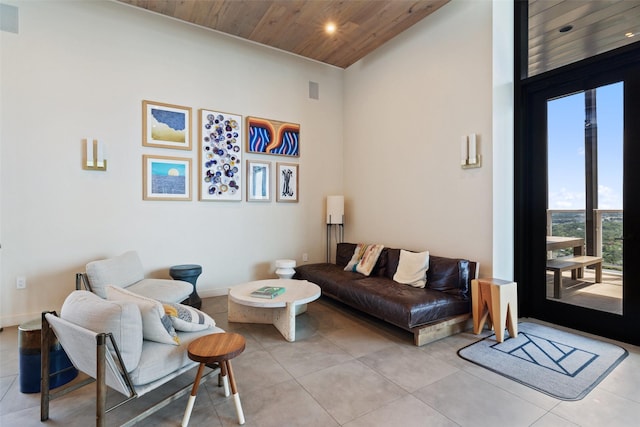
{"x": 346, "y": 369}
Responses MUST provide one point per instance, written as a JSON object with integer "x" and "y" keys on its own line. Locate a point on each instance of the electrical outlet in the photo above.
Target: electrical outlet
{"x": 305, "y": 257}
{"x": 21, "y": 283}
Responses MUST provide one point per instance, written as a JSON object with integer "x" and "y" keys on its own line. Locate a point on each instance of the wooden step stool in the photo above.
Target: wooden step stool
{"x": 497, "y": 300}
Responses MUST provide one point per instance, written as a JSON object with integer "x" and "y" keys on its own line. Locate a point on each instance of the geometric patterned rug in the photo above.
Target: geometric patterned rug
{"x": 561, "y": 364}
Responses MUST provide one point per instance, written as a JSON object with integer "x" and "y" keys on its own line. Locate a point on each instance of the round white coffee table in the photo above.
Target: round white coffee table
{"x": 280, "y": 311}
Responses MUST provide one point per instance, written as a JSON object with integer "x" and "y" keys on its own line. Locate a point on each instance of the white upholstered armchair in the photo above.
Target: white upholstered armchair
{"x": 126, "y": 271}
{"x": 108, "y": 339}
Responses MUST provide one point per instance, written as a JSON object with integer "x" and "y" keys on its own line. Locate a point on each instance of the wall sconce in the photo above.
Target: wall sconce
{"x": 335, "y": 216}
{"x": 469, "y": 156}
{"x": 94, "y": 155}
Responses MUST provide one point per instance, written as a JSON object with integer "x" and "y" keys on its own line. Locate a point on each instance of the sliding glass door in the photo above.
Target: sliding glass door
{"x": 578, "y": 199}
{"x": 585, "y": 198}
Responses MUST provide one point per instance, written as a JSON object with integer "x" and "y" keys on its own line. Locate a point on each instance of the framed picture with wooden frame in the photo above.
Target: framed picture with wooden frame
{"x": 266, "y": 136}
{"x": 166, "y": 178}
{"x": 258, "y": 181}
{"x": 220, "y": 156}
{"x": 166, "y": 125}
{"x": 287, "y": 182}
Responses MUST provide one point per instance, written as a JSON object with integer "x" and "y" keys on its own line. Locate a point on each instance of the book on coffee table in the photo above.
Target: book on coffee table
{"x": 268, "y": 292}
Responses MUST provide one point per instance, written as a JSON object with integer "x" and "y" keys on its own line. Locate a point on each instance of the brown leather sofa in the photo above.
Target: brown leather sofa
{"x": 440, "y": 309}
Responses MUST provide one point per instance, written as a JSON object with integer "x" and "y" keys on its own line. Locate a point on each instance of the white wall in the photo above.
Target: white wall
{"x": 385, "y": 132}
{"x": 79, "y": 69}
{"x": 407, "y": 105}
{"x": 503, "y": 117}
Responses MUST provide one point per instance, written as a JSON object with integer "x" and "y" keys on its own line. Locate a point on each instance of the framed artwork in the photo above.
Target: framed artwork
{"x": 220, "y": 156}
{"x": 166, "y": 125}
{"x": 266, "y": 136}
{"x": 166, "y": 178}
{"x": 287, "y": 178}
{"x": 258, "y": 181}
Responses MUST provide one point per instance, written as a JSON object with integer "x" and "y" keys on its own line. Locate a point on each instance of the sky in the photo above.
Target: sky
{"x": 565, "y": 117}
{"x": 167, "y": 168}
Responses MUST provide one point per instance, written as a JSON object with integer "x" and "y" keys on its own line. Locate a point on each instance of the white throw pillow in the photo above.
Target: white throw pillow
{"x": 186, "y": 318}
{"x": 156, "y": 325}
{"x": 412, "y": 268}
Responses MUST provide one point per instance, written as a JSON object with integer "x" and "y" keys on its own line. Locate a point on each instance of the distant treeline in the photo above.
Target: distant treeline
{"x": 572, "y": 224}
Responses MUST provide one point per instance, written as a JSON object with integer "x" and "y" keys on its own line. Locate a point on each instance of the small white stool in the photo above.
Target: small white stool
{"x": 285, "y": 268}
{"x": 497, "y": 300}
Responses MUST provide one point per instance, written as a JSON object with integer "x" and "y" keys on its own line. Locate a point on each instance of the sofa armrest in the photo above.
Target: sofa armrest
{"x": 451, "y": 275}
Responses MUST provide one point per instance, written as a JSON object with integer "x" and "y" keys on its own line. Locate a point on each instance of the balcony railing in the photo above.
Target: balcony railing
{"x": 608, "y": 223}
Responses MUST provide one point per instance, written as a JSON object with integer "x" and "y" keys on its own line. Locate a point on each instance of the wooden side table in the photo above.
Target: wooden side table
{"x": 496, "y": 300}
{"x": 216, "y": 348}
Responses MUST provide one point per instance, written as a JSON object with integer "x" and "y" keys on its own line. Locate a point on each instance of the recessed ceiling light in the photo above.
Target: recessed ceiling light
{"x": 330, "y": 28}
{"x": 630, "y": 34}
{"x": 566, "y": 28}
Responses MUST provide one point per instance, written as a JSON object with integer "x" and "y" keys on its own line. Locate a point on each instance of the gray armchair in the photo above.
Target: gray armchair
{"x": 126, "y": 271}
{"x": 105, "y": 340}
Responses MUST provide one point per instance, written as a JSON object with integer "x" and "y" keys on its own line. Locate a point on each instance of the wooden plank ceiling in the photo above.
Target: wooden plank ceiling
{"x": 297, "y": 26}
{"x": 597, "y": 26}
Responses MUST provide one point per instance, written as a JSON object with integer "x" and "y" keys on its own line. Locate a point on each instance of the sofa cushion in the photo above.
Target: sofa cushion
{"x": 121, "y": 318}
{"x": 122, "y": 271}
{"x": 156, "y": 325}
{"x": 393, "y": 258}
{"x": 185, "y": 318}
{"x": 344, "y": 252}
{"x": 412, "y": 268}
{"x": 402, "y": 305}
{"x": 159, "y": 360}
{"x": 162, "y": 289}
{"x": 330, "y": 277}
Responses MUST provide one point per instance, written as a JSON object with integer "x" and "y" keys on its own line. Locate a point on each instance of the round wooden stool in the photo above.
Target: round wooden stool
{"x": 216, "y": 348}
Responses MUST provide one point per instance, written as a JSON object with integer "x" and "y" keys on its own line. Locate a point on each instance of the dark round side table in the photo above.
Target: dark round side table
{"x": 188, "y": 273}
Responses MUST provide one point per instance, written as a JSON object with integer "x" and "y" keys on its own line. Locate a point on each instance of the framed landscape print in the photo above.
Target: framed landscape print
{"x": 220, "y": 156}
{"x": 287, "y": 178}
{"x": 258, "y": 181}
{"x": 166, "y": 125}
{"x": 166, "y": 178}
{"x": 267, "y": 136}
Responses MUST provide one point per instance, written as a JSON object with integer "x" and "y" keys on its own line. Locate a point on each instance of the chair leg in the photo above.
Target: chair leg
{"x": 101, "y": 385}
{"x": 557, "y": 284}
{"x": 192, "y": 397}
{"x": 45, "y": 339}
{"x": 225, "y": 378}
{"x": 234, "y": 391}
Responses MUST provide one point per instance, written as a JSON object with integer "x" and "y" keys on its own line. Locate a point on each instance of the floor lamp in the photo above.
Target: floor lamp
{"x": 335, "y": 218}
